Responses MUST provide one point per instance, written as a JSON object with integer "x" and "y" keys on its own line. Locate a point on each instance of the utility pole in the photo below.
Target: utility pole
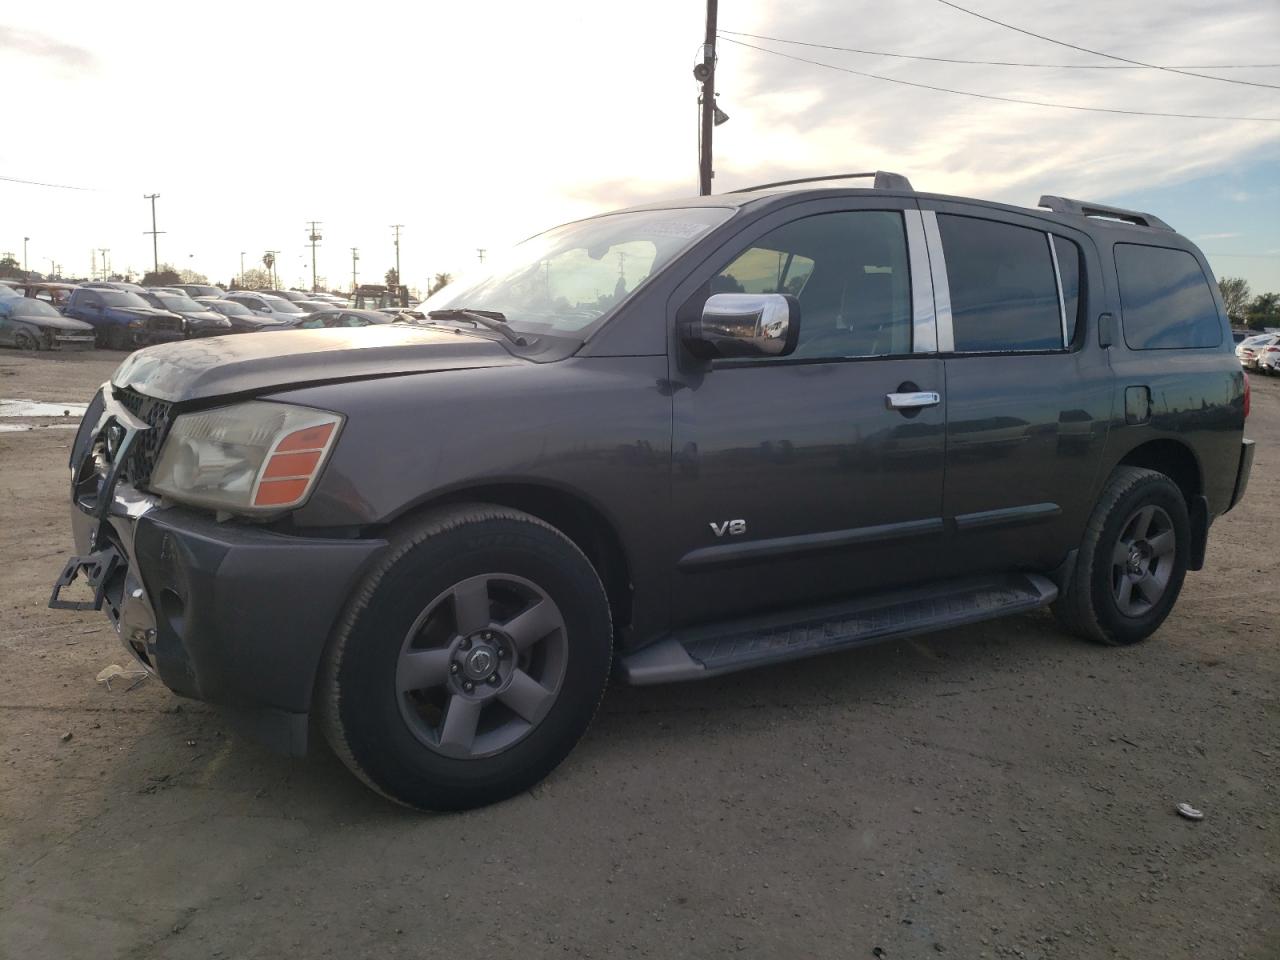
{"x": 706, "y": 72}
{"x": 106, "y": 262}
{"x": 155, "y": 250}
{"x": 53, "y": 269}
{"x": 26, "y": 274}
{"x": 396, "y": 227}
{"x": 314, "y": 237}
{"x": 242, "y": 268}
{"x": 480, "y": 252}
{"x": 274, "y": 256}
{"x": 355, "y": 257}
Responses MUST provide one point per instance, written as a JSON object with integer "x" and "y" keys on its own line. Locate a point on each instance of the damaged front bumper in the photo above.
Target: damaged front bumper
{"x": 229, "y": 613}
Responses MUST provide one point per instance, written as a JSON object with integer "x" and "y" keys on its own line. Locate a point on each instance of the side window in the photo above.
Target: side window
{"x": 1071, "y": 272}
{"x": 847, "y": 270}
{"x": 1004, "y": 295}
{"x": 1165, "y": 299}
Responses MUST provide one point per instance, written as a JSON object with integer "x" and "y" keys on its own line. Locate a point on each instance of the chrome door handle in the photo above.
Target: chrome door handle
{"x": 908, "y": 401}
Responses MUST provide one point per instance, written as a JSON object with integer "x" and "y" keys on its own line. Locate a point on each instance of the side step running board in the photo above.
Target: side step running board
{"x": 707, "y": 651}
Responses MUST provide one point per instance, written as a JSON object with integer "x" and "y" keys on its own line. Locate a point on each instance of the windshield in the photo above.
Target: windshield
{"x": 230, "y": 309}
{"x": 564, "y": 280}
{"x": 280, "y": 305}
{"x": 22, "y": 307}
{"x": 182, "y": 305}
{"x": 122, "y": 298}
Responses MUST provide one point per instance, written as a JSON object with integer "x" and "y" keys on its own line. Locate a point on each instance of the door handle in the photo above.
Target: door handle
{"x": 910, "y": 401}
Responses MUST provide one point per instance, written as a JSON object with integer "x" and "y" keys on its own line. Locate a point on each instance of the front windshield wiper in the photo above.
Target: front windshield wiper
{"x": 481, "y": 318}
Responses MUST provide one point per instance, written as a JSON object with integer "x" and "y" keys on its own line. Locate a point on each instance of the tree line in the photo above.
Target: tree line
{"x": 1255, "y": 312}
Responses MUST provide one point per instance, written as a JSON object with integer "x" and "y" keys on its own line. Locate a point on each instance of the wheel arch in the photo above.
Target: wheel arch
{"x": 1178, "y": 461}
{"x": 568, "y": 511}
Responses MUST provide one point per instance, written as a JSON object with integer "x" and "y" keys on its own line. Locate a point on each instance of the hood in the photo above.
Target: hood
{"x": 217, "y": 366}
{"x": 57, "y": 323}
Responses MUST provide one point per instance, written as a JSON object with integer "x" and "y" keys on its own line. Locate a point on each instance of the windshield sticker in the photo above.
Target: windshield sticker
{"x": 679, "y": 229}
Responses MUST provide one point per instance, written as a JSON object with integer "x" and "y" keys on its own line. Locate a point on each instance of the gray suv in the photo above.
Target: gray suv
{"x": 665, "y": 443}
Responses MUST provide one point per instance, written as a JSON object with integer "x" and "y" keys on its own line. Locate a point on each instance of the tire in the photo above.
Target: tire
{"x": 1118, "y": 548}
{"x": 25, "y": 341}
{"x": 464, "y": 590}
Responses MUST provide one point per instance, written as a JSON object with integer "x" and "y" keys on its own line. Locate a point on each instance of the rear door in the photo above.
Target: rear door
{"x": 1029, "y": 393}
{"x": 795, "y": 480}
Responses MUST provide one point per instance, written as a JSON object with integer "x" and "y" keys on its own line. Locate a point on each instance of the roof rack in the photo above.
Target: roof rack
{"x": 883, "y": 181}
{"x": 1083, "y": 208}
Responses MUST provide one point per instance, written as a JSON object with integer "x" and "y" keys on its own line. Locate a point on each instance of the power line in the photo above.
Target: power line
{"x": 997, "y": 63}
{"x": 1099, "y": 53}
{"x": 991, "y": 96}
{"x": 37, "y": 183}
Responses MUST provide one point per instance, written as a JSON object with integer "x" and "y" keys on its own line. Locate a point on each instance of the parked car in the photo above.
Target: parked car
{"x": 201, "y": 321}
{"x": 196, "y": 290}
{"x": 114, "y": 285}
{"x": 1267, "y": 357}
{"x": 1247, "y": 349}
{"x": 33, "y": 325}
{"x": 7, "y": 291}
{"x": 242, "y": 319}
{"x": 291, "y": 295}
{"x": 267, "y": 305}
{"x": 310, "y": 307}
{"x": 121, "y": 319}
{"x": 342, "y": 318}
{"x": 682, "y": 440}
{"x": 55, "y": 293}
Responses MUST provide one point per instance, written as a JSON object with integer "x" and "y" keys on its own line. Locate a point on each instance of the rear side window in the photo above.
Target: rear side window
{"x": 1166, "y": 299}
{"x": 1004, "y": 295}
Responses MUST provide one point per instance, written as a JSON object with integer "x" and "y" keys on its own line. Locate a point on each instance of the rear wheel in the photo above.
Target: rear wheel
{"x": 469, "y": 662}
{"x": 1132, "y": 562}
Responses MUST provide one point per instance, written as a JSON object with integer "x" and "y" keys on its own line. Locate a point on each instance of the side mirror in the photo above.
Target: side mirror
{"x": 744, "y": 325}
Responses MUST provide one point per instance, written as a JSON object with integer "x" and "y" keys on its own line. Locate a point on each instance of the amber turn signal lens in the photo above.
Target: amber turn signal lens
{"x": 291, "y": 466}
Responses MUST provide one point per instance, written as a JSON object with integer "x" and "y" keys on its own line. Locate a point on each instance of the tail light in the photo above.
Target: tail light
{"x": 1248, "y": 396}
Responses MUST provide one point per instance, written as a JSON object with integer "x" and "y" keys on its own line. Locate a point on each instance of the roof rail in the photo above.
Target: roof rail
{"x": 1083, "y": 208}
{"x": 883, "y": 181}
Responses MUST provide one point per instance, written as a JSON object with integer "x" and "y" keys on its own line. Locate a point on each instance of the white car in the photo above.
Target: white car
{"x": 1248, "y": 348}
{"x": 266, "y": 306}
{"x": 1267, "y": 357}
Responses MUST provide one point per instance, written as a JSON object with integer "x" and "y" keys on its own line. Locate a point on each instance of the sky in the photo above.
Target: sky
{"x": 475, "y": 125}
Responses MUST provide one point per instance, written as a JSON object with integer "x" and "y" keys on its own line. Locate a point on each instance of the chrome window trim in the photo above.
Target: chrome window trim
{"x": 941, "y": 287}
{"x": 1057, "y": 278}
{"x": 924, "y": 326}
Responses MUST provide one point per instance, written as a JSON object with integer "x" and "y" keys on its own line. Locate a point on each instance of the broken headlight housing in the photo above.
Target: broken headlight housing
{"x": 249, "y": 458}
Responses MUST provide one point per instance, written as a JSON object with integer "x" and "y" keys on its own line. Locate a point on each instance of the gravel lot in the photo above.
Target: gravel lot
{"x": 1001, "y": 790}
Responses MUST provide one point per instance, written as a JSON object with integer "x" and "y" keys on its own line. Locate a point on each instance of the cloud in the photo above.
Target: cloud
{"x": 1217, "y": 236}
{"x": 41, "y": 46}
{"x": 797, "y": 118}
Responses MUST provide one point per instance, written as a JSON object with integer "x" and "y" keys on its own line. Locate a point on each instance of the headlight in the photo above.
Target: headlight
{"x": 254, "y": 457}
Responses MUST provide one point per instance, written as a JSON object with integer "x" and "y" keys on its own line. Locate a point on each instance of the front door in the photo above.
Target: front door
{"x": 807, "y": 478}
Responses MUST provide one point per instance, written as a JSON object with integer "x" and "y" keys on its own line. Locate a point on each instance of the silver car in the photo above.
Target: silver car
{"x": 267, "y": 306}
{"x": 1248, "y": 348}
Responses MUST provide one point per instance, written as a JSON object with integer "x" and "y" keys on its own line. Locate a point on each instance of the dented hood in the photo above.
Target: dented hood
{"x": 254, "y": 362}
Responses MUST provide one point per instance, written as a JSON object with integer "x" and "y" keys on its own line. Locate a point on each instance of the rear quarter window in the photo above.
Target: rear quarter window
{"x": 1166, "y": 300}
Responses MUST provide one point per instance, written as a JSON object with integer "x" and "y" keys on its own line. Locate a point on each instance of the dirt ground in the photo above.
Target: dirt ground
{"x": 1001, "y": 790}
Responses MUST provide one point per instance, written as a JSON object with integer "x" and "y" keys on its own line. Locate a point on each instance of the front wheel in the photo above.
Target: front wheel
{"x": 469, "y": 662}
{"x": 1132, "y": 562}
{"x": 26, "y": 341}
